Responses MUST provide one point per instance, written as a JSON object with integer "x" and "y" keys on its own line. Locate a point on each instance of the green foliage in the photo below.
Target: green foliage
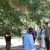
{"x": 36, "y": 11}
{"x": 36, "y": 4}
{"x": 16, "y": 32}
{"x": 0, "y": 48}
{"x": 7, "y": 12}
{"x": 23, "y": 1}
{"x": 5, "y": 8}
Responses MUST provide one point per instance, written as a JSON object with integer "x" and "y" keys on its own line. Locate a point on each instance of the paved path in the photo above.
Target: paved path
{"x": 16, "y": 43}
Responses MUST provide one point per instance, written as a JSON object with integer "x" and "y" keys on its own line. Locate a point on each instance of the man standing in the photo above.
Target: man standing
{"x": 28, "y": 42}
{"x": 47, "y": 35}
{"x": 8, "y": 39}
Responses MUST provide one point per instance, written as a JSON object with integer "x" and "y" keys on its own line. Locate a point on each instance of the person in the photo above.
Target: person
{"x": 47, "y": 34}
{"x": 39, "y": 32}
{"x": 38, "y": 38}
{"x": 34, "y": 34}
{"x": 43, "y": 38}
{"x": 8, "y": 39}
{"x": 28, "y": 40}
{"x": 23, "y": 31}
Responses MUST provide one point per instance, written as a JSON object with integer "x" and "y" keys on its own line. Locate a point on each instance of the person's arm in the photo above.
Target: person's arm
{"x": 7, "y": 35}
{"x": 32, "y": 44}
{"x": 35, "y": 34}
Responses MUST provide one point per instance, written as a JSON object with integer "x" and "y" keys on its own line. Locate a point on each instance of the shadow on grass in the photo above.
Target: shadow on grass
{"x": 13, "y": 48}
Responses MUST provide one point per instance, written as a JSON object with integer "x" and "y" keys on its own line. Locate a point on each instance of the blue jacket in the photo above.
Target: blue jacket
{"x": 28, "y": 42}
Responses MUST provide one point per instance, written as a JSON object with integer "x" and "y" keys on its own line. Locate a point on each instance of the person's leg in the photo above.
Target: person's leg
{"x": 8, "y": 45}
{"x": 10, "y": 42}
{"x": 38, "y": 48}
{"x": 47, "y": 43}
{"x": 23, "y": 41}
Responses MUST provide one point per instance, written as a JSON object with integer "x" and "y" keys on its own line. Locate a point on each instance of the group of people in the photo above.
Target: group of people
{"x": 37, "y": 39}
{"x": 32, "y": 39}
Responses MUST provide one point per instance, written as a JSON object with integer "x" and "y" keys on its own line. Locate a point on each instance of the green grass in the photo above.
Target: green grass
{"x": 0, "y": 49}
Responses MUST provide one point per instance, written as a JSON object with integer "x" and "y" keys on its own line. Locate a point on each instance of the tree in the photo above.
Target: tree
{"x": 22, "y": 12}
{"x": 8, "y": 15}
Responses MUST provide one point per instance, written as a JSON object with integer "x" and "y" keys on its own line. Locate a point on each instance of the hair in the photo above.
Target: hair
{"x": 30, "y": 30}
{"x": 46, "y": 23}
{"x": 43, "y": 26}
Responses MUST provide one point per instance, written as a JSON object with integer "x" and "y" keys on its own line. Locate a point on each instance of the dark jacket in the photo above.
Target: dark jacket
{"x": 47, "y": 33}
{"x": 8, "y": 37}
{"x": 34, "y": 35}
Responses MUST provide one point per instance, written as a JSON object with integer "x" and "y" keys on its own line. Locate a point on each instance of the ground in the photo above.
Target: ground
{"x": 16, "y": 43}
